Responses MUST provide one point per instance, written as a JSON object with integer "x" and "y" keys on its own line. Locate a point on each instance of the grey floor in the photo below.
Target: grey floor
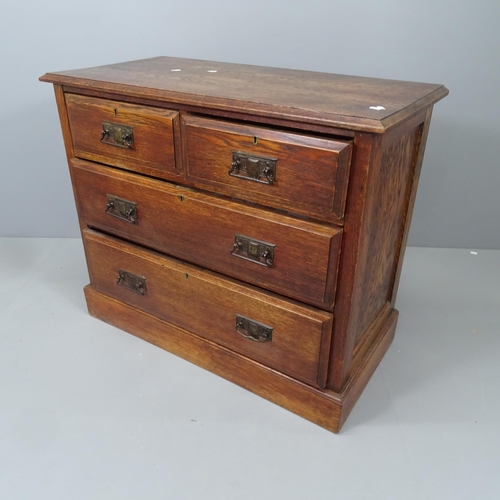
{"x": 89, "y": 412}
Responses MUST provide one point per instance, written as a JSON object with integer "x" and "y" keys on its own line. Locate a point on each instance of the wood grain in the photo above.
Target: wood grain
{"x": 374, "y": 233}
{"x": 349, "y": 155}
{"x": 200, "y": 229}
{"x": 384, "y": 229}
{"x": 360, "y": 377}
{"x": 153, "y": 151}
{"x": 412, "y": 193}
{"x": 66, "y": 133}
{"x": 311, "y": 172}
{"x": 365, "y": 152}
{"x": 237, "y": 116}
{"x": 329, "y": 99}
{"x": 207, "y": 304}
{"x": 324, "y": 408}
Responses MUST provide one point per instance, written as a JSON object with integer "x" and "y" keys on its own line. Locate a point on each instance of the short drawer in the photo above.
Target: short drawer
{"x": 129, "y": 136}
{"x": 288, "y": 337}
{"x": 295, "y": 258}
{"x": 295, "y": 172}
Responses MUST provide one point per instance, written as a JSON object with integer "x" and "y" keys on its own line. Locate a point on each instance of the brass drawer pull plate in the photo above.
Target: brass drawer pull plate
{"x": 117, "y": 135}
{"x": 253, "y": 330}
{"x": 253, "y": 250}
{"x": 253, "y": 168}
{"x": 122, "y": 209}
{"x": 131, "y": 281}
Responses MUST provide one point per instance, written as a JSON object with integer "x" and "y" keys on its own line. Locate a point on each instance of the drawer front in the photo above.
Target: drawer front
{"x": 129, "y": 136}
{"x": 298, "y": 173}
{"x": 293, "y": 339}
{"x": 302, "y": 257}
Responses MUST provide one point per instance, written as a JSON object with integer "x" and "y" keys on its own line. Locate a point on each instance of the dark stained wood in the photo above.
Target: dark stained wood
{"x": 325, "y": 408}
{"x": 360, "y": 377}
{"x": 66, "y": 133}
{"x": 412, "y": 193}
{"x": 336, "y": 100}
{"x": 366, "y": 147}
{"x": 200, "y": 229}
{"x": 63, "y": 118}
{"x": 382, "y": 193}
{"x": 153, "y": 152}
{"x": 383, "y": 230}
{"x": 311, "y": 172}
{"x": 207, "y": 304}
{"x": 237, "y": 116}
{"x": 339, "y": 214}
{"x": 365, "y": 341}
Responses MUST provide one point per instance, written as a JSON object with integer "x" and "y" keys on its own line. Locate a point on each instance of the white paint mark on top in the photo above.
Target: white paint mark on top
{"x": 175, "y": 70}
{"x": 473, "y": 253}
{"x": 377, "y": 108}
{"x": 212, "y": 71}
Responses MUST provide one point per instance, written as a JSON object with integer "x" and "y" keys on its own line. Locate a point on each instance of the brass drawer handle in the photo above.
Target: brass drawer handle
{"x": 117, "y": 135}
{"x": 131, "y": 281}
{"x": 253, "y": 330}
{"x": 253, "y": 250}
{"x": 122, "y": 209}
{"x": 253, "y": 168}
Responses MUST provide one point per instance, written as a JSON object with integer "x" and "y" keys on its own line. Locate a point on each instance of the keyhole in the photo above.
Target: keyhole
{"x": 181, "y": 198}
{"x": 115, "y": 111}
{"x": 254, "y": 140}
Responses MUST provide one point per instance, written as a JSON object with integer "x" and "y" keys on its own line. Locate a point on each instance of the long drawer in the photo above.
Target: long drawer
{"x": 295, "y": 258}
{"x": 130, "y": 136}
{"x": 301, "y": 173}
{"x": 279, "y": 333}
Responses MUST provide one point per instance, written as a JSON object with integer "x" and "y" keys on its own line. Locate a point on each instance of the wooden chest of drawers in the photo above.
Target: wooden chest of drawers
{"x": 251, "y": 220}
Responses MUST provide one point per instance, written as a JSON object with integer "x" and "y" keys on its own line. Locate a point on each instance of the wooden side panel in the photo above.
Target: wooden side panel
{"x": 153, "y": 149}
{"x": 311, "y": 172}
{"x": 207, "y": 304}
{"x": 381, "y": 197}
{"x": 384, "y": 230}
{"x": 201, "y": 229}
{"x": 411, "y": 201}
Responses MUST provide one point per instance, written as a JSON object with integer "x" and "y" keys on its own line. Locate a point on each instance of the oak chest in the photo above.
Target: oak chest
{"x": 248, "y": 219}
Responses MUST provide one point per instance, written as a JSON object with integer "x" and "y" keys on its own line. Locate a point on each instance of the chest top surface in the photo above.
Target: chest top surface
{"x": 359, "y": 103}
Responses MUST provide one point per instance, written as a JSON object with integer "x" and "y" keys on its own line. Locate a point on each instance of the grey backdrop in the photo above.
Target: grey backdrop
{"x": 436, "y": 41}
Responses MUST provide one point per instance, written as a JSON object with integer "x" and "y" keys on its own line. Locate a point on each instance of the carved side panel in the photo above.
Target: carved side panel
{"x": 385, "y": 172}
{"x": 385, "y": 228}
